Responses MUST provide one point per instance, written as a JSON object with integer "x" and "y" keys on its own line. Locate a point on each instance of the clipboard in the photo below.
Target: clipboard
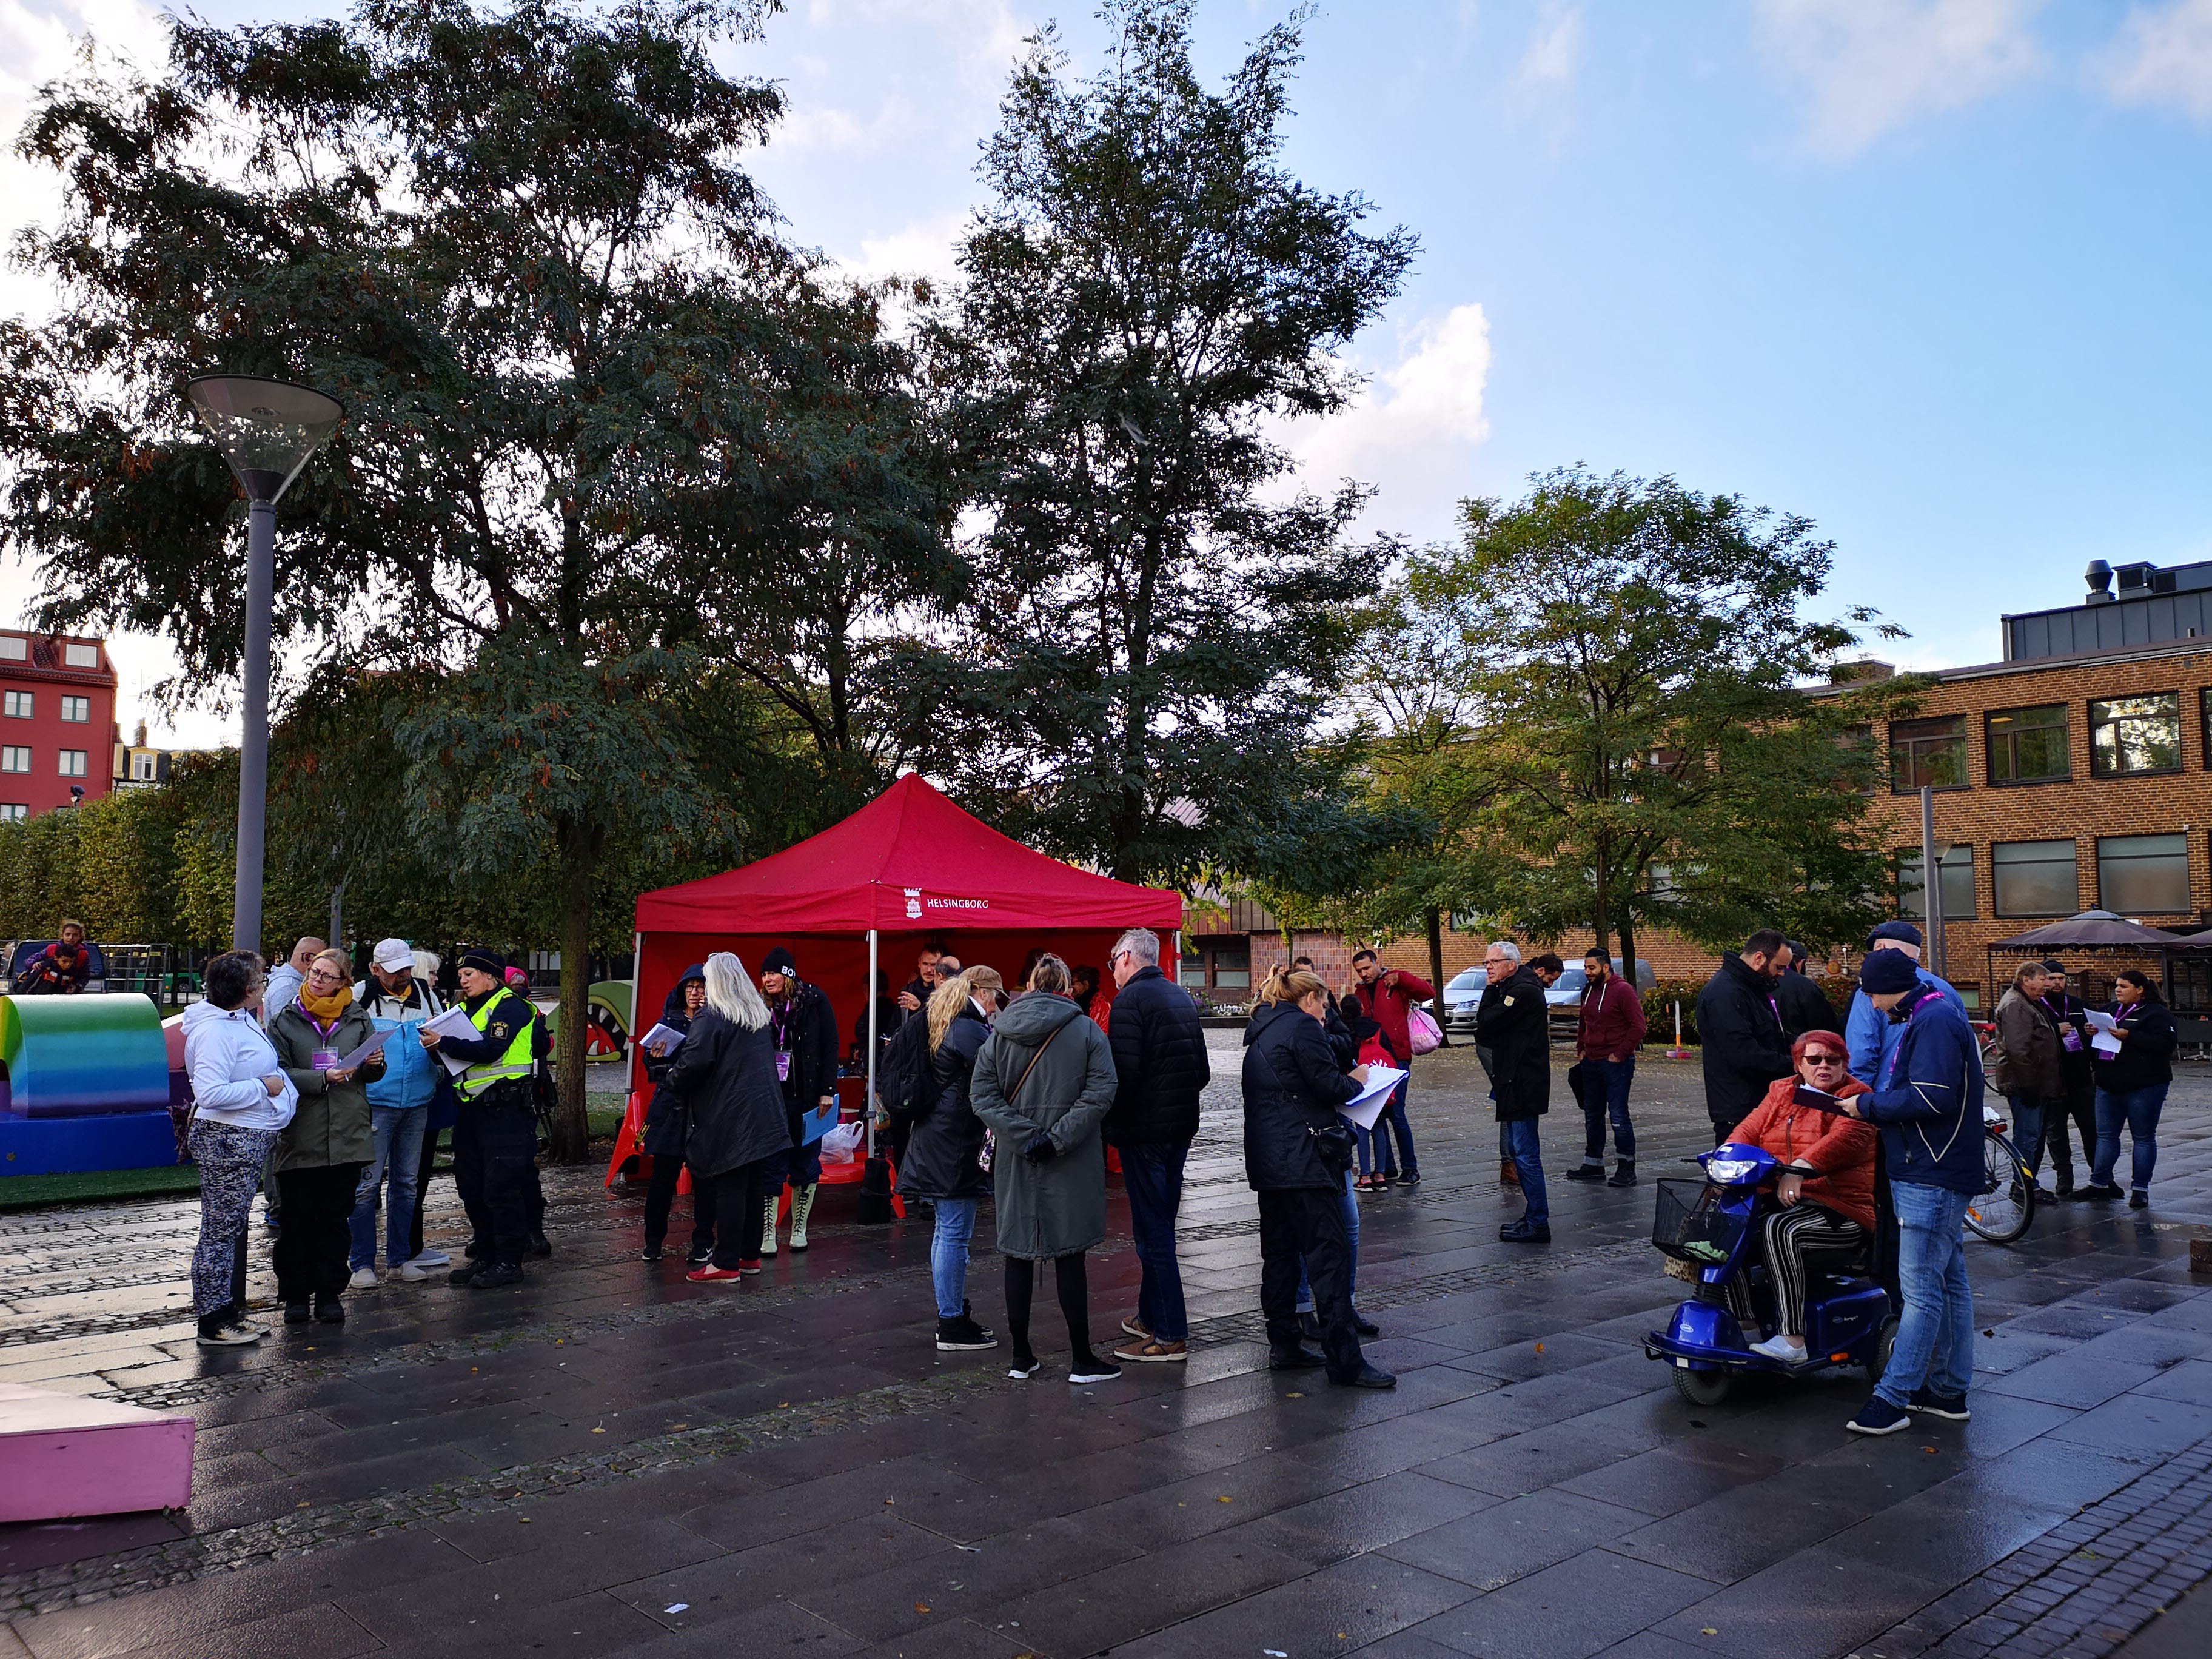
{"x": 816, "y": 1124}
{"x": 1367, "y": 1105}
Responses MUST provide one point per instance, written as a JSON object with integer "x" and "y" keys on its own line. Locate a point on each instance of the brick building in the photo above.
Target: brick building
{"x": 56, "y": 722}
{"x": 2073, "y": 774}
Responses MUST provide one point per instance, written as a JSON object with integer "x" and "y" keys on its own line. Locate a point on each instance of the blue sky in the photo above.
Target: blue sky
{"x": 1932, "y": 272}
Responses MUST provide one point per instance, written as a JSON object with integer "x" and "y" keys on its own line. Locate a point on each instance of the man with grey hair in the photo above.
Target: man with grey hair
{"x": 1513, "y": 1022}
{"x": 1160, "y": 1069}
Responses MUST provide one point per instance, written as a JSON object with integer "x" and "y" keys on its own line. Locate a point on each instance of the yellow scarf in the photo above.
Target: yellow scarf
{"x": 325, "y": 1009}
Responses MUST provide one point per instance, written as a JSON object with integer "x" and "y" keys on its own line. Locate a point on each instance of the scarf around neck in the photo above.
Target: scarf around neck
{"x": 324, "y": 1011}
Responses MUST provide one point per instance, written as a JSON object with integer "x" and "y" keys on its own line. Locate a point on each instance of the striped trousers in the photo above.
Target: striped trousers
{"x": 1790, "y": 1236}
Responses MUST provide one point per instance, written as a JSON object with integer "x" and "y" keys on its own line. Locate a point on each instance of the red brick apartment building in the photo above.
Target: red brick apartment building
{"x": 56, "y": 722}
{"x": 2073, "y": 774}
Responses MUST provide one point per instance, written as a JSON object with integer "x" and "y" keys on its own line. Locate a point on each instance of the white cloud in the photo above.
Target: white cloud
{"x": 1411, "y": 429}
{"x": 1547, "y": 70}
{"x": 2164, "y": 56}
{"x": 1871, "y": 66}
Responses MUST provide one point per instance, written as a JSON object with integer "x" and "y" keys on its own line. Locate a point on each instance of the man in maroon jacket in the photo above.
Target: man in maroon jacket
{"x": 1612, "y": 1031}
{"x": 1388, "y": 995}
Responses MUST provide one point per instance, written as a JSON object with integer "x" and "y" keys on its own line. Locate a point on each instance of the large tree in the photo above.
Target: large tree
{"x": 586, "y": 390}
{"x": 1629, "y": 660}
{"x": 1159, "y": 615}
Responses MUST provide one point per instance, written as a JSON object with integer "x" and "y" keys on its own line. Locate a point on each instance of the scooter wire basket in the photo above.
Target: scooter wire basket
{"x": 1688, "y": 1223}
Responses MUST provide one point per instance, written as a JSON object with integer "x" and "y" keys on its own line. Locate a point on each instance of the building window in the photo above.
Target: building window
{"x": 81, "y": 656}
{"x": 2128, "y": 735}
{"x": 19, "y": 705}
{"x": 13, "y": 811}
{"x": 2028, "y": 745}
{"x": 2143, "y": 875}
{"x": 1957, "y": 892}
{"x": 14, "y": 648}
{"x": 73, "y": 762}
{"x": 77, "y": 710}
{"x": 1928, "y": 754}
{"x": 142, "y": 768}
{"x": 2035, "y": 878}
{"x": 15, "y": 757}
{"x": 1191, "y": 970}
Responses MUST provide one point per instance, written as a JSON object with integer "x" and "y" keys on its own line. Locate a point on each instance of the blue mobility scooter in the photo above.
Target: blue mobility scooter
{"x": 1708, "y": 1226}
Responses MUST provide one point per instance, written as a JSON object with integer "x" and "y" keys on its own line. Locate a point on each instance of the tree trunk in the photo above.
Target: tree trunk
{"x": 1628, "y": 952}
{"x": 1599, "y": 921}
{"x": 578, "y": 843}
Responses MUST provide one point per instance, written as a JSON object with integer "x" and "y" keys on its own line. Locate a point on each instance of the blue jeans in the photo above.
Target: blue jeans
{"x": 1351, "y": 1253}
{"x": 2027, "y": 1121}
{"x": 1615, "y": 1075}
{"x": 948, "y": 1255}
{"x": 1152, "y": 1174}
{"x": 1936, "y": 1337}
{"x": 1393, "y": 1121}
{"x": 398, "y": 1132}
{"x": 2138, "y": 1108}
{"x": 1521, "y": 1135}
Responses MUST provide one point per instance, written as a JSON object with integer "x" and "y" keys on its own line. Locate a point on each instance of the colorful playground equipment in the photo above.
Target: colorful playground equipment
{"x": 85, "y": 1084}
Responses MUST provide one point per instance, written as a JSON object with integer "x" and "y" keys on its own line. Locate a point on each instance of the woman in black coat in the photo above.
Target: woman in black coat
{"x": 725, "y": 1077}
{"x": 2131, "y": 1085}
{"x": 944, "y": 1150}
{"x": 667, "y": 1125}
{"x": 1296, "y": 1151}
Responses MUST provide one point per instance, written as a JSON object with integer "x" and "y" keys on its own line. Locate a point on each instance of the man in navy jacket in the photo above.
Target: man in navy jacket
{"x": 1930, "y": 1112}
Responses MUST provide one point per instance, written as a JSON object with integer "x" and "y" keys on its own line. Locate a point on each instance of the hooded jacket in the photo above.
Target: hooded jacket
{"x": 942, "y": 1147}
{"x": 1046, "y": 1067}
{"x": 1931, "y": 1115}
{"x": 1389, "y": 1001}
{"x": 410, "y": 1078}
{"x": 666, "y": 1121}
{"x": 1292, "y": 1088}
{"x": 1740, "y": 1037}
{"x": 1160, "y": 1063}
{"x": 1613, "y": 1021}
{"x": 1514, "y": 1023}
{"x": 725, "y": 1077}
{"x": 227, "y": 1055}
{"x": 332, "y": 1125}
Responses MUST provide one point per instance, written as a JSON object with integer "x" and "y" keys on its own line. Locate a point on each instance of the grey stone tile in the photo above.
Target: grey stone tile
{"x": 1494, "y": 1546}
{"x": 1578, "y": 1606}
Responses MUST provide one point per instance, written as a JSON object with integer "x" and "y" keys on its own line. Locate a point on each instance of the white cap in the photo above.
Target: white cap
{"x": 394, "y": 956}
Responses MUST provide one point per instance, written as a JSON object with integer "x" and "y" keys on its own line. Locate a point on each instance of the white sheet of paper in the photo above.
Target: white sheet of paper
{"x": 373, "y": 1046}
{"x": 1367, "y": 1105}
{"x": 2101, "y": 1022}
{"x": 2104, "y": 1042}
{"x": 454, "y": 1023}
{"x": 660, "y": 1034}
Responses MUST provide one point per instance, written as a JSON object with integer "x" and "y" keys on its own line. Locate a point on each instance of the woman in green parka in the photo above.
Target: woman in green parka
{"x": 321, "y": 1153}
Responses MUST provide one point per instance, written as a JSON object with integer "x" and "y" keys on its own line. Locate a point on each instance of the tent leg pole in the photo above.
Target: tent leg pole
{"x": 871, "y": 1101}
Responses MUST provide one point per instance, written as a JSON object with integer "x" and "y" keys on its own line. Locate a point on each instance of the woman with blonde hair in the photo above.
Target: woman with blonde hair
{"x": 1043, "y": 1084}
{"x": 725, "y": 1076}
{"x": 943, "y": 1150}
{"x": 329, "y": 1142}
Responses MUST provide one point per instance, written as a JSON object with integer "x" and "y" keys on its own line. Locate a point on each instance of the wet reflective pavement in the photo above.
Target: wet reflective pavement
{"x": 608, "y": 1460}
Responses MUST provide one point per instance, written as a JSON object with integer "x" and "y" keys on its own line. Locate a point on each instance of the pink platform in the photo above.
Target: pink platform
{"x": 62, "y": 1455}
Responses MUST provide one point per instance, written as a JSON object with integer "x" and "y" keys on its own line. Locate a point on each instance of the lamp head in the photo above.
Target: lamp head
{"x": 266, "y": 430}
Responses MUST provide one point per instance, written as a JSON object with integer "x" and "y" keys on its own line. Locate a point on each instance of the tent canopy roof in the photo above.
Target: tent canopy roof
{"x": 909, "y": 861}
{"x": 2095, "y": 927}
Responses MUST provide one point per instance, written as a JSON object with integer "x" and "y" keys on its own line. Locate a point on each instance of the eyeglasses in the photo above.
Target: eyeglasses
{"x": 325, "y": 976}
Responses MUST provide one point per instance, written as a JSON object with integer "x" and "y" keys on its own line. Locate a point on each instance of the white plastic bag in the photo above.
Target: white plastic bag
{"x": 840, "y": 1144}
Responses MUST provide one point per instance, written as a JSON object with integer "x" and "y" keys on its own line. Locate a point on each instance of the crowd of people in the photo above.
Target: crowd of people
{"x": 326, "y": 1093}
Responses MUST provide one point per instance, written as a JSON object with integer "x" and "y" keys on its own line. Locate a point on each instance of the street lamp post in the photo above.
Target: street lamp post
{"x": 1932, "y": 855}
{"x": 266, "y": 431}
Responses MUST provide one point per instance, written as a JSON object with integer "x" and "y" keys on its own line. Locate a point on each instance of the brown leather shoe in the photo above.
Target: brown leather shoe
{"x": 1509, "y": 1173}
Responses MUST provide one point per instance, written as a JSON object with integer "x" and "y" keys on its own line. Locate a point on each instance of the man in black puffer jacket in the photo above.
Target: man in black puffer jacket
{"x": 1161, "y": 1068}
{"x": 1740, "y": 1031}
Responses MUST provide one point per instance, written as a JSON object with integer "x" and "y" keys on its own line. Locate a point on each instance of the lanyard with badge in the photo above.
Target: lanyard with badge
{"x": 779, "y": 1023}
{"x": 323, "y": 1059}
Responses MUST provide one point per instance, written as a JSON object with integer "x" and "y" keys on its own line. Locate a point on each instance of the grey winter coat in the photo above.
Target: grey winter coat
{"x": 1057, "y": 1206}
{"x": 333, "y": 1124}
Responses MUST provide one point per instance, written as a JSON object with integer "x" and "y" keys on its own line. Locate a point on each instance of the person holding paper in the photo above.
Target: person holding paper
{"x": 399, "y": 1099}
{"x": 496, "y": 1136}
{"x": 1823, "y": 1197}
{"x": 1297, "y": 1150}
{"x": 2070, "y": 1014}
{"x": 724, "y": 1075}
{"x": 1514, "y": 1023}
{"x": 329, "y": 1141}
{"x": 2134, "y": 1064}
{"x": 668, "y": 1125}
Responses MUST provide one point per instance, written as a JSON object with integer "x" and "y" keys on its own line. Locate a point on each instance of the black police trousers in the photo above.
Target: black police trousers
{"x": 494, "y": 1149}
{"x": 1309, "y": 1223}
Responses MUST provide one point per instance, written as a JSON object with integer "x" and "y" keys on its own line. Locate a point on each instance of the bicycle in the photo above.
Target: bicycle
{"x": 2002, "y": 1211}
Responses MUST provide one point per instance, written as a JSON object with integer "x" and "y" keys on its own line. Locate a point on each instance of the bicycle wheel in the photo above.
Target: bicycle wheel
{"x": 2002, "y": 1210}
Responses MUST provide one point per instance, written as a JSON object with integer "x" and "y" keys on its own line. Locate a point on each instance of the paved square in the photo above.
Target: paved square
{"x": 610, "y": 1461}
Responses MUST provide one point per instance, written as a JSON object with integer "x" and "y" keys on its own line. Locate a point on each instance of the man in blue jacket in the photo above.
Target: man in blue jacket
{"x": 1930, "y": 1112}
{"x": 399, "y": 1099}
{"x": 1869, "y": 1034}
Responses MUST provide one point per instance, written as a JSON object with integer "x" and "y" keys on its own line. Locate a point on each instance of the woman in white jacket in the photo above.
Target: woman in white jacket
{"x": 240, "y": 1099}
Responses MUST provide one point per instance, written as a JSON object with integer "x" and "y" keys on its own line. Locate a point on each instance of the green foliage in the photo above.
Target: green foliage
{"x": 1139, "y": 680}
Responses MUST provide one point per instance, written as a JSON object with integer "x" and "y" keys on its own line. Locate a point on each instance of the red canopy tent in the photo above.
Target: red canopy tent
{"x": 909, "y": 867}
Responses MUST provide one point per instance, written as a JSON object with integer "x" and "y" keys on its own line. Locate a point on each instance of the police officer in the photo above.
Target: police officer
{"x": 496, "y": 1138}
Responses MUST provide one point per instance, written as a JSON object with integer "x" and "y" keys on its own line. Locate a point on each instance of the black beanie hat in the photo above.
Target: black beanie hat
{"x": 778, "y": 960}
{"x": 484, "y": 961}
{"x": 1886, "y": 971}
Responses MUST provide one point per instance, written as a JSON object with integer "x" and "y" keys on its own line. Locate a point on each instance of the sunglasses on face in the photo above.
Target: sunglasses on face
{"x": 1824, "y": 1059}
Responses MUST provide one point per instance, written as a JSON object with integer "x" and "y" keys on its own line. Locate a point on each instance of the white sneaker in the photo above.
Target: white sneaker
{"x": 432, "y": 1258}
{"x": 1782, "y": 1348}
{"x": 363, "y": 1279}
{"x": 413, "y": 1271}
